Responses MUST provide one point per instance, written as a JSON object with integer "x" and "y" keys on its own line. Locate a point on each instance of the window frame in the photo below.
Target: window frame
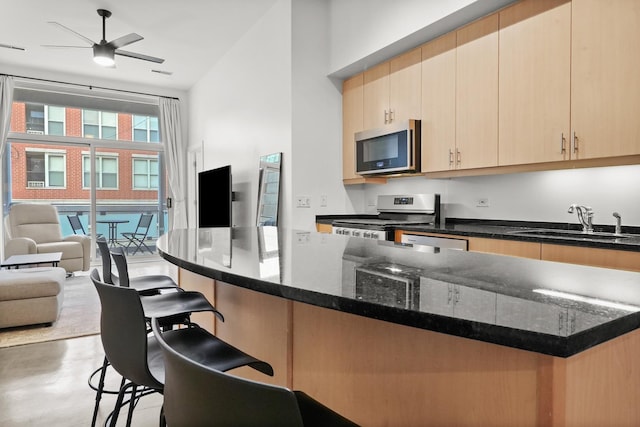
{"x": 98, "y": 173}
{"x": 147, "y": 128}
{"x": 47, "y": 154}
{"x": 100, "y": 125}
{"x": 148, "y": 159}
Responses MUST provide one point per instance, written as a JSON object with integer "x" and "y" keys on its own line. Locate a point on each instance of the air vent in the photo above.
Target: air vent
{"x": 166, "y": 73}
{"x": 35, "y": 184}
{"x": 35, "y": 132}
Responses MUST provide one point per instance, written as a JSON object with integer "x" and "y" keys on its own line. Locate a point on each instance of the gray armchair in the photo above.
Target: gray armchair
{"x": 32, "y": 228}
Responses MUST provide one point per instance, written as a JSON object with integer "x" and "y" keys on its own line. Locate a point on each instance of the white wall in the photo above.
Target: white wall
{"x": 366, "y": 32}
{"x": 317, "y": 117}
{"x": 241, "y": 109}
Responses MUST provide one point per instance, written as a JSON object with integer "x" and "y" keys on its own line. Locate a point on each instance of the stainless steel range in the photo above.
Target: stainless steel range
{"x": 393, "y": 211}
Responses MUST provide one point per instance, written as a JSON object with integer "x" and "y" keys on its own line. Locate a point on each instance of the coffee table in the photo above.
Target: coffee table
{"x": 32, "y": 259}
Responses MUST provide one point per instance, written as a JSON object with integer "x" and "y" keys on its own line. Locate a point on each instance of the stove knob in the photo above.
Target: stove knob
{"x": 355, "y": 233}
{"x": 374, "y": 235}
{"x": 367, "y": 235}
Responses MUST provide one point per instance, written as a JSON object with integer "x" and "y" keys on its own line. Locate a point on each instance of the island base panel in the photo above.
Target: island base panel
{"x": 379, "y": 373}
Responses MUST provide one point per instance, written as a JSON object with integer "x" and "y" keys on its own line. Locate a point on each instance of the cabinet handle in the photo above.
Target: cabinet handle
{"x": 563, "y": 140}
{"x": 575, "y": 142}
{"x": 458, "y": 157}
{"x": 450, "y": 157}
{"x": 561, "y": 322}
{"x": 456, "y": 294}
{"x": 391, "y": 115}
{"x": 386, "y": 116}
{"x": 449, "y": 294}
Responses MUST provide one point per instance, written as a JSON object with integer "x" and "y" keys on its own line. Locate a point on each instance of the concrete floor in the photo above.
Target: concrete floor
{"x": 45, "y": 384}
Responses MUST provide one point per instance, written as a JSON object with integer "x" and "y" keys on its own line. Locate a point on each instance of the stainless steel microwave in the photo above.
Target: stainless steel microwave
{"x": 394, "y": 148}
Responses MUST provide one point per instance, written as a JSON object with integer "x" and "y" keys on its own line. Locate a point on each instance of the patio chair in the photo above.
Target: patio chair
{"x": 77, "y": 227}
{"x": 137, "y": 237}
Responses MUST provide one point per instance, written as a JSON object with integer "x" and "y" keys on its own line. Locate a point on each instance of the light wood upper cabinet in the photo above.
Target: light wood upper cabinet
{"x": 352, "y": 122}
{"x": 405, "y": 82}
{"x": 376, "y": 96}
{"x": 477, "y": 94}
{"x": 439, "y": 104}
{"x": 605, "y": 77}
{"x": 392, "y": 90}
{"x": 535, "y": 71}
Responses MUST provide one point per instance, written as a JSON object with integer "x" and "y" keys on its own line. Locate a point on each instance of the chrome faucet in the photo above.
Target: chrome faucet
{"x": 618, "y": 218}
{"x": 585, "y": 216}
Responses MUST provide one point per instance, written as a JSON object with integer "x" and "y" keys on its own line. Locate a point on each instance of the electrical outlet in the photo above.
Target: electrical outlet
{"x": 303, "y": 238}
{"x": 323, "y": 200}
{"x": 482, "y": 203}
{"x": 303, "y": 201}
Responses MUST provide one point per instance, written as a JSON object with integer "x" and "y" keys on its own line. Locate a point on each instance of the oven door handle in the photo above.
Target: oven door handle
{"x": 438, "y": 242}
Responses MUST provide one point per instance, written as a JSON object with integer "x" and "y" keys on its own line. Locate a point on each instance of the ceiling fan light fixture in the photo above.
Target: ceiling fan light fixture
{"x": 103, "y": 55}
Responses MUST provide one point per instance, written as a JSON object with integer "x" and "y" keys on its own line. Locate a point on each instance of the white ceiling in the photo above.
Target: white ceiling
{"x": 191, "y": 35}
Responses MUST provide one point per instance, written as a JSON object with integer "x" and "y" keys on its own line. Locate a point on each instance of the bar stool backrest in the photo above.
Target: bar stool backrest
{"x": 120, "y": 260}
{"x": 195, "y": 395}
{"x": 103, "y": 247}
{"x": 123, "y": 330}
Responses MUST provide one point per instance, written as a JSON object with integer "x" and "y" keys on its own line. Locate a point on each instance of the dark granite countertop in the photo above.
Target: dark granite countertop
{"x": 512, "y": 230}
{"x": 546, "y": 307}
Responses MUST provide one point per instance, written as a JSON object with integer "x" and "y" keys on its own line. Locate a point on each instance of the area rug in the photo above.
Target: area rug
{"x": 80, "y": 316}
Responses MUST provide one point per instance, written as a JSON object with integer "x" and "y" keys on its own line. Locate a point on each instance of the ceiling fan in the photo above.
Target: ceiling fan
{"x": 103, "y": 52}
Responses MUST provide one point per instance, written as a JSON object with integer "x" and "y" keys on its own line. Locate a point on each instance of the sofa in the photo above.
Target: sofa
{"x": 31, "y": 296}
{"x": 32, "y": 228}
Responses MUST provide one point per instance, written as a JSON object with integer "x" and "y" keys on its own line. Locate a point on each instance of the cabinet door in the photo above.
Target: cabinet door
{"x": 436, "y": 296}
{"x": 404, "y": 86}
{"x": 376, "y": 96}
{"x": 477, "y": 94}
{"x": 439, "y": 104}
{"x": 535, "y": 71}
{"x": 505, "y": 247}
{"x": 607, "y": 258}
{"x": 474, "y": 304}
{"x": 605, "y": 77}
{"x": 324, "y": 228}
{"x": 352, "y": 122}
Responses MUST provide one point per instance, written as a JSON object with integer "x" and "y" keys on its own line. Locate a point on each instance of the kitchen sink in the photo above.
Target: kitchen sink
{"x": 571, "y": 234}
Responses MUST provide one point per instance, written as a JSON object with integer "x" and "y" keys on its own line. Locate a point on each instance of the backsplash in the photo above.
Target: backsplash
{"x": 533, "y": 196}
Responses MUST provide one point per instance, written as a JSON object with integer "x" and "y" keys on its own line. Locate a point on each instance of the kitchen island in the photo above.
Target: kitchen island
{"x": 392, "y": 335}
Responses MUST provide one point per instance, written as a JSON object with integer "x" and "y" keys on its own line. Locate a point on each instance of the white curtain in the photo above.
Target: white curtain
{"x": 171, "y": 128}
{"x": 6, "y": 102}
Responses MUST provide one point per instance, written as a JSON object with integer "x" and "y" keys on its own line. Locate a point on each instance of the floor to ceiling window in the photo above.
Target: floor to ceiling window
{"x": 98, "y": 158}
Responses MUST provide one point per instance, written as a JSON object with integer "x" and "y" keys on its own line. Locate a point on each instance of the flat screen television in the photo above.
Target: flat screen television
{"x": 215, "y": 197}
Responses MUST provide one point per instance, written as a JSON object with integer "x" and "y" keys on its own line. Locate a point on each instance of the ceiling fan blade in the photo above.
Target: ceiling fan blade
{"x": 56, "y": 46}
{"x": 139, "y": 56}
{"x": 125, "y": 40}
{"x": 10, "y": 46}
{"x": 86, "y": 39}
